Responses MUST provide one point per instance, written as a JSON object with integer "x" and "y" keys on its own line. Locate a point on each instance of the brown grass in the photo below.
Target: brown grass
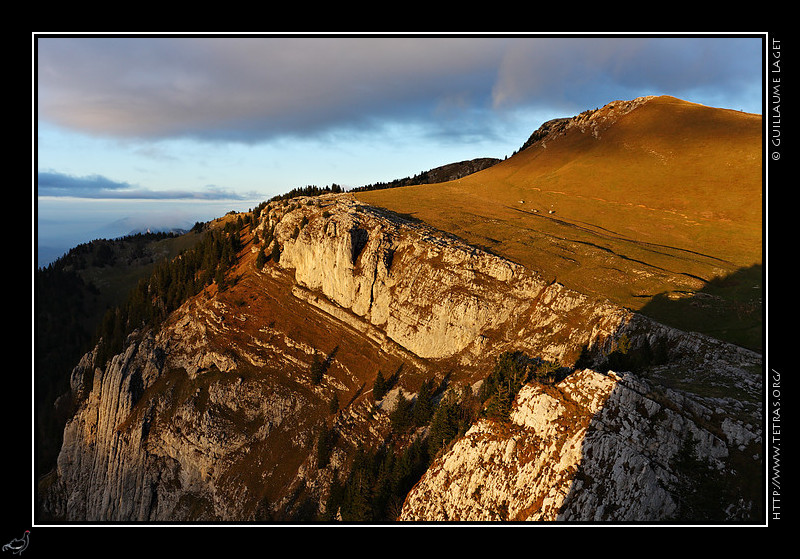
{"x": 665, "y": 200}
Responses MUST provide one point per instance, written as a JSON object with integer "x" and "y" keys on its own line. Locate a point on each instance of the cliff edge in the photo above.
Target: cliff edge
{"x": 224, "y": 411}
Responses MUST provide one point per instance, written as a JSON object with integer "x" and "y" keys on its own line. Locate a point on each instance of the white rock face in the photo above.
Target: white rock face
{"x": 170, "y": 431}
{"x": 434, "y": 295}
{"x": 596, "y": 447}
{"x": 154, "y": 441}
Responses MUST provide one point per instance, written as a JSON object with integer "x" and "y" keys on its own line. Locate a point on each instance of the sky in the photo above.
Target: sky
{"x": 168, "y": 130}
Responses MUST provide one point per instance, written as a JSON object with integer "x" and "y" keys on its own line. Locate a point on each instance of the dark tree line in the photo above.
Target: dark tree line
{"x": 377, "y": 484}
{"x": 109, "y": 252}
{"x": 511, "y": 372}
{"x": 380, "y": 479}
{"x": 310, "y": 190}
{"x": 382, "y": 385}
{"x": 62, "y": 312}
{"x": 443, "y": 173}
{"x": 320, "y": 366}
{"x": 421, "y": 178}
{"x": 170, "y": 284}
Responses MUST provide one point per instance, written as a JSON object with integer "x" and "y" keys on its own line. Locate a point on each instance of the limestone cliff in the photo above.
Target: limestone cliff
{"x": 215, "y": 415}
{"x": 432, "y": 294}
{"x": 597, "y": 447}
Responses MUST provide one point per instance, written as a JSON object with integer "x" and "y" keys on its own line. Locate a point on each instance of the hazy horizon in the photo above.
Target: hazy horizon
{"x": 64, "y": 223}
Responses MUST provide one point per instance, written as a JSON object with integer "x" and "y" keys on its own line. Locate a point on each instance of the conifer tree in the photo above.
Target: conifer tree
{"x": 379, "y": 386}
{"x": 423, "y": 407}
{"x": 219, "y": 278}
{"x": 317, "y": 370}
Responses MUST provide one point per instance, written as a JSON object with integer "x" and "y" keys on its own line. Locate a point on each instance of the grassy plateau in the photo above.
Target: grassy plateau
{"x": 658, "y": 209}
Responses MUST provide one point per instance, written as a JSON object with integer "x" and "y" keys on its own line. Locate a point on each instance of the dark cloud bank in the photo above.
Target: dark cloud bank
{"x": 54, "y": 184}
{"x": 254, "y": 89}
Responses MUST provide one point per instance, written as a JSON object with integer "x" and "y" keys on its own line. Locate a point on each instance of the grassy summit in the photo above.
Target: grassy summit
{"x": 655, "y": 204}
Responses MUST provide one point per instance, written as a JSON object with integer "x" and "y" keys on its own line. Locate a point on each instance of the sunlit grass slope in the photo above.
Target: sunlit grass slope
{"x": 641, "y": 202}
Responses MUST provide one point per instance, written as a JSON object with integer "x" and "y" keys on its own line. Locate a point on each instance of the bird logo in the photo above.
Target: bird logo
{"x": 18, "y": 545}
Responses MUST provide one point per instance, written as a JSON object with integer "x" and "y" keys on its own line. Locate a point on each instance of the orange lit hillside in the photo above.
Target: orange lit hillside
{"x": 654, "y": 197}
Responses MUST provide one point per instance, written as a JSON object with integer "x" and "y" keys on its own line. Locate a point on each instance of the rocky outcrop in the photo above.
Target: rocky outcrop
{"x": 214, "y": 416}
{"x": 591, "y": 121}
{"x": 433, "y": 294}
{"x": 160, "y": 437}
{"x": 596, "y": 447}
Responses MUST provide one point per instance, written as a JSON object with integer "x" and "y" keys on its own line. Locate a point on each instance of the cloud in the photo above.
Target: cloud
{"x": 248, "y": 89}
{"x": 583, "y": 73}
{"x": 54, "y": 184}
{"x": 253, "y": 89}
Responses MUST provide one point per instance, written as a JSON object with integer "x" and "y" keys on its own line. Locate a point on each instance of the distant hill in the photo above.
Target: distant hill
{"x": 129, "y": 226}
{"x": 642, "y": 202}
{"x": 444, "y": 173}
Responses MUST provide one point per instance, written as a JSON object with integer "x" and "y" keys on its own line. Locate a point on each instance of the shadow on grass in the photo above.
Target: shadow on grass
{"x": 652, "y": 451}
{"x": 728, "y": 308}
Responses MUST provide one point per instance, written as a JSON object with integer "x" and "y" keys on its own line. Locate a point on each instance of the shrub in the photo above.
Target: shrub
{"x": 423, "y": 407}
{"x": 401, "y": 417}
{"x": 317, "y": 370}
{"x": 325, "y": 443}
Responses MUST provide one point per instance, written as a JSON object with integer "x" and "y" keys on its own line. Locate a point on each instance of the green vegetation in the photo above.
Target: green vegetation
{"x": 325, "y": 444}
{"x": 320, "y": 366}
{"x": 379, "y": 386}
{"x": 433, "y": 175}
{"x": 511, "y": 372}
{"x": 377, "y": 483}
{"x": 111, "y": 252}
{"x": 62, "y": 310}
{"x": 261, "y": 258}
{"x": 625, "y": 357}
{"x": 267, "y": 238}
{"x": 310, "y": 190}
{"x": 70, "y": 295}
{"x": 380, "y": 479}
{"x": 453, "y": 415}
{"x": 382, "y": 385}
{"x": 170, "y": 284}
{"x": 317, "y": 370}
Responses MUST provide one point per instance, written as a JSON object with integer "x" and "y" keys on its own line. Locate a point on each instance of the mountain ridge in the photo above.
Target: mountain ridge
{"x": 258, "y": 399}
{"x": 442, "y": 173}
{"x": 654, "y": 197}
